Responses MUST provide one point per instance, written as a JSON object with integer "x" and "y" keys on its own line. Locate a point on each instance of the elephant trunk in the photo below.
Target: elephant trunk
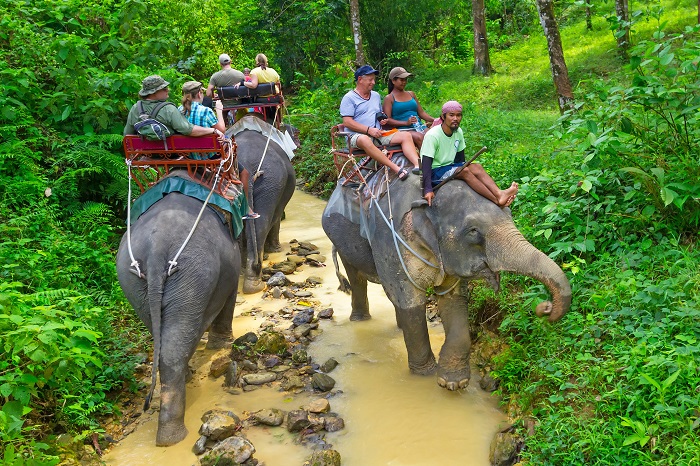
{"x": 507, "y": 250}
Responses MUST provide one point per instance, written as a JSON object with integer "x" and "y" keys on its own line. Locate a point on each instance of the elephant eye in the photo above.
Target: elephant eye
{"x": 472, "y": 235}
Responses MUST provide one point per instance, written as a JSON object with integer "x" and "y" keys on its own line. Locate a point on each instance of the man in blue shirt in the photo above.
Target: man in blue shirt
{"x": 359, "y": 110}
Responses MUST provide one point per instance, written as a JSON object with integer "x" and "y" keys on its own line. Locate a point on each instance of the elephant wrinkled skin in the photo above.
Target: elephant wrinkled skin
{"x": 271, "y": 192}
{"x": 462, "y": 237}
{"x": 177, "y": 309}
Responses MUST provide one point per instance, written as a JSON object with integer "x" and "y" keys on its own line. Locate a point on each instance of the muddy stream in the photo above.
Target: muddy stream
{"x": 391, "y": 417}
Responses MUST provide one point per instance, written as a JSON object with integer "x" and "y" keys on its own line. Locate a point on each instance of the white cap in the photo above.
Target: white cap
{"x": 224, "y": 59}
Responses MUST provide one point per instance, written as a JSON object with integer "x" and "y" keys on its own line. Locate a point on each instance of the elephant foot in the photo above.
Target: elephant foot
{"x": 252, "y": 285}
{"x": 170, "y": 434}
{"x": 428, "y": 368}
{"x": 273, "y": 247}
{"x": 219, "y": 340}
{"x": 358, "y": 316}
{"x": 454, "y": 380}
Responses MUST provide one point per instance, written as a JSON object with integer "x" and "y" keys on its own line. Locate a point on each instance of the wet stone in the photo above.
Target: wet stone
{"x": 319, "y": 405}
{"x": 333, "y": 423}
{"x": 250, "y": 388}
{"x": 218, "y": 425}
{"x": 315, "y": 422}
{"x": 325, "y": 458}
{"x": 488, "y": 383}
{"x": 316, "y": 257}
{"x": 293, "y": 382}
{"x": 269, "y": 417}
{"x": 288, "y": 294}
{"x": 308, "y": 369}
{"x": 249, "y": 365}
{"x": 314, "y": 280}
{"x": 233, "y": 450}
{"x": 246, "y": 339}
{"x": 259, "y": 378}
{"x": 200, "y": 446}
{"x": 503, "y": 449}
{"x": 300, "y": 356}
{"x": 271, "y": 361}
{"x": 314, "y": 333}
{"x": 303, "y": 316}
{"x": 302, "y": 330}
{"x": 231, "y": 374}
{"x": 325, "y": 313}
{"x": 296, "y": 259}
{"x": 286, "y": 267}
{"x": 281, "y": 368}
{"x": 303, "y": 294}
{"x": 219, "y": 366}
{"x": 307, "y": 245}
{"x": 329, "y": 365}
{"x": 278, "y": 279}
{"x": 322, "y": 382}
{"x": 297, "y": 420}
{"x": 276, "y": 292}
{"x": 271, "y": 343}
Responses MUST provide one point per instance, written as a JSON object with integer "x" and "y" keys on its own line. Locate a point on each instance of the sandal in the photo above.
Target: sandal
{"x": 403, "y": 174}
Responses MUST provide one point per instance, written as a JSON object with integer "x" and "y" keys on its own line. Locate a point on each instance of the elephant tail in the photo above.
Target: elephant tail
{"x": 155, "y": 302}
{"x": 344, "y": 283}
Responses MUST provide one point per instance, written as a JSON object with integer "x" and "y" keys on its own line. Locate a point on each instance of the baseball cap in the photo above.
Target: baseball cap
{"x": 191, "y": 86}
{"x": 365, "y": 70}
{"x": 224, "y": 59}
{"x": 399, "y": 72}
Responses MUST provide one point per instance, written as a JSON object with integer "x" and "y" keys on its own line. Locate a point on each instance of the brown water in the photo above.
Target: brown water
{"x": 391, "y": 417}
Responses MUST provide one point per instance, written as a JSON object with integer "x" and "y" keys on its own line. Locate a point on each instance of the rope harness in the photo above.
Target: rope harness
{"x": 267, "y": 144}
{"x": 225, "y": 165}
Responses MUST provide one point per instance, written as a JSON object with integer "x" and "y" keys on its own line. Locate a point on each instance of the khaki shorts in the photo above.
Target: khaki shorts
{"x": 382, "y": 141}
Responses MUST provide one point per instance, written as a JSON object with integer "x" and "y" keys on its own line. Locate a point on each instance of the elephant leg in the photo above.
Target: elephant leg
{"x": 220, "y": 334}
{"x": 358, "y": 285}
{"x": 176, "y": 351}
{"x": 453, "y": 371}
{"x": 414, "y": 325}
{"x": 272, "y": 243}
{"x": 252, "y": 282}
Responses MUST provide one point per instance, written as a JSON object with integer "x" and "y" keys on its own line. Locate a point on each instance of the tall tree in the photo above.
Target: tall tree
{"x": 356, "y": 34}
{"x": 482, "y": 62}
{"x": 560, "y": 74}
{"x": 623, "y": 27}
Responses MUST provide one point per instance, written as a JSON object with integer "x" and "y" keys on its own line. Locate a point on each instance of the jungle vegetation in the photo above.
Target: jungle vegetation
{"x": 609, "y": 189}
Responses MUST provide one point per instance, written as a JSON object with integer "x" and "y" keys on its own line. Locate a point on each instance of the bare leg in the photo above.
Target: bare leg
{"x": 417, "y": 138}
{"x": 480, "y": 181}
{"x": 366, "y": 144}
{"x": 409, "y": 149}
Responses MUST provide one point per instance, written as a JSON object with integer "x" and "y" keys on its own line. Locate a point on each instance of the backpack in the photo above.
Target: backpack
{"x": 150, "y": 128}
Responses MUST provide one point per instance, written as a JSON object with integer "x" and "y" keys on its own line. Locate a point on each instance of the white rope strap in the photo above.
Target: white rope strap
{"x": 266, "y": 145}
{"x": 134, "y": 262}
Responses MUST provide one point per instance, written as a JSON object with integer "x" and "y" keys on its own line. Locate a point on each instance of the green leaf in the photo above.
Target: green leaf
{"x": 586, "y": 185}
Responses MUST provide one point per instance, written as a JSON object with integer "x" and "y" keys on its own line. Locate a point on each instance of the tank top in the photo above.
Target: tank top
{"x": 402, "y": 111}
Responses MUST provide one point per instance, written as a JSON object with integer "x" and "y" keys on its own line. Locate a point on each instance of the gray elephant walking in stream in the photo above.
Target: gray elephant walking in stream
{"x": 461, "y": 237}
{"x": 178, "y": 308}
{"x": 272, "y": 190}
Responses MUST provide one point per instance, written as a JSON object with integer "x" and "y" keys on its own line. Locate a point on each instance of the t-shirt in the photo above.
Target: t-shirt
{"x": 168, "y": 115}
{"x": 440, "y": 147}
{"x": 226, "y": 77}
{"x": 363, "y": 111}
{"x": 201, "y": 115}
{"x": 267, "y": 75}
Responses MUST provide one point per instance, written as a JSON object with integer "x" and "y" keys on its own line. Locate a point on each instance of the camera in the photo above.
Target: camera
{"x": 381, "y": 116}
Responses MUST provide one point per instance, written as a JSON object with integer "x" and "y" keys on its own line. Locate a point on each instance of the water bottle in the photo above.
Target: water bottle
{"x": 418, "y": 126}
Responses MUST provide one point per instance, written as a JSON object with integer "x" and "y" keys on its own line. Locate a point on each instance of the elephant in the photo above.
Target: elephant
{"x": 461, "y": 237}
{"x": 178, "y": 307}
{"x": 272, "y": 190}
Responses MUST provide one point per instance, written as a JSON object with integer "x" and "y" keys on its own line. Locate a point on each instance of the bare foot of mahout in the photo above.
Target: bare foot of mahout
{"x": 507, "y": 196}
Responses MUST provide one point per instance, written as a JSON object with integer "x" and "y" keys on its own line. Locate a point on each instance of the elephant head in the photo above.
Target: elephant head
{"x": 472, "y": 238}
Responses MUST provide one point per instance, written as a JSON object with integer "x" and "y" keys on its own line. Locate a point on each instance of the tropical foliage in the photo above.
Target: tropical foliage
{"x": 609, "y": 190}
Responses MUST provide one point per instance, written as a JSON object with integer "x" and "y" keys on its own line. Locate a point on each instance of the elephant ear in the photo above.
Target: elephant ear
{"x": 419, "y": 228}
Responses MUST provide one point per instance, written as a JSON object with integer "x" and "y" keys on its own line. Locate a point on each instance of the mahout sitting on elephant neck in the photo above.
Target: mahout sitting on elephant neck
{"x": 467, "y": 236}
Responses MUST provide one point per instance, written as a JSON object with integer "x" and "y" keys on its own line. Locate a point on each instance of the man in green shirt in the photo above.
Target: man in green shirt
{"x": 154, "y": 90}
{"x": 442, "y": 153}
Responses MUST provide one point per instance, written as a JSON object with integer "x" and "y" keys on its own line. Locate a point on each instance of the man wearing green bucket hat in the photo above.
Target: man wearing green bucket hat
{"x": 154, "y": 93}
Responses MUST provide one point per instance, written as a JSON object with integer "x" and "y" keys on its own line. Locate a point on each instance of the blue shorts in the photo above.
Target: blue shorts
{"x": 439, "y": 174}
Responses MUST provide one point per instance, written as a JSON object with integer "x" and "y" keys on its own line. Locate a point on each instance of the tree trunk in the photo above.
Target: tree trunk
{"x": 589, "y": 21}
{"x": 623, "y": 32}
{"x": 560, "y": 74}
{"x": 356, "y": 34}
{"x": 482, "y": 63}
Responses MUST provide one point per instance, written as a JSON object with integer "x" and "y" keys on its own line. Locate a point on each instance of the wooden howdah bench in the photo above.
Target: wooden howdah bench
{"x": 352, "y": 163}
{"x": 270, "y": 105}
{"x": 151, "y": 161}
